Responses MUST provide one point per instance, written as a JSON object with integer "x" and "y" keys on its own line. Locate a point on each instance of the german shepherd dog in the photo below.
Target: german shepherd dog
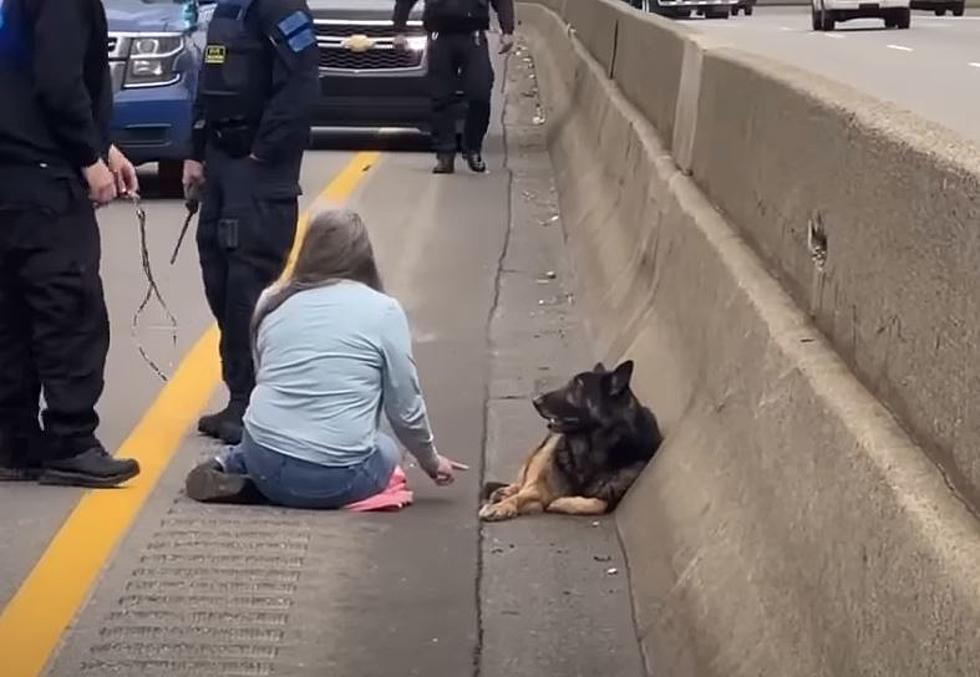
{"x": 599, "y": 441}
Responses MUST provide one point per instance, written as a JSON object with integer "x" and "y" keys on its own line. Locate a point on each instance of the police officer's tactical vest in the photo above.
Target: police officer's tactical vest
{"x": 237, "y": 75}
{"x": 449, "y": 15}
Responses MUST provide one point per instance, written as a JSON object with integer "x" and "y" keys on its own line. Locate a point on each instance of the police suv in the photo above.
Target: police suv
{"x": 366, "y": 81}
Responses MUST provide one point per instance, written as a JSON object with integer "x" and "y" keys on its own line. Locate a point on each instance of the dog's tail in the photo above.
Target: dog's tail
{"x": 489, "y": 488}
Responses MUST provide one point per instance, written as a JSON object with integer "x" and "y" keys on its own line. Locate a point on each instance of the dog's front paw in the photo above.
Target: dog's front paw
{"x": 503, "y": 493}
{"x": 498, "y": 512}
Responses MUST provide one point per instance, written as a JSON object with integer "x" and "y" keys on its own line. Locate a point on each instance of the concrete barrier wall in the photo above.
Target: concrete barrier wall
{"x": 896, "y": 202}
{"x": 789, "y": 526}
{"x": 798, "y": 163}
{"x": 650, "y": 48}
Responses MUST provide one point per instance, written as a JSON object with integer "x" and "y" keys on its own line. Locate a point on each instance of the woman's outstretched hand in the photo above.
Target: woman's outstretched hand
{"x": 446, "y": 472}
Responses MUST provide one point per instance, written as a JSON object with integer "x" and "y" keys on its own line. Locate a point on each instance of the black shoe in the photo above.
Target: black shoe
{"x": 18, "y": 451}
{"x": 476, "y": 163}
{"x": 445, "y": 164}
{"x": 209, "y": 483}
{"x": 225, "y": 424}
{"x": 17, "y": 468}
{"x": 94, "y": 469}
{"x": 10, "y": 472}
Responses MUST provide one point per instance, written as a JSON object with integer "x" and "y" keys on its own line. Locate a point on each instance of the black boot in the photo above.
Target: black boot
{"x": 12, "y": 470}
{"x": 209, "y": 483}
{"x": 445, "y": 164}
{"x": 476, "y": 163}
{"x": 226, "y": 425}
{"x": 18, "y": 457}
{"x": 93, "y": 468}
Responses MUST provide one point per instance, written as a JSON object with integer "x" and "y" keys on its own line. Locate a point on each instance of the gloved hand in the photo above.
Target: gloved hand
{"x": 193, "y": 176}
{"x": 506, "y": 43}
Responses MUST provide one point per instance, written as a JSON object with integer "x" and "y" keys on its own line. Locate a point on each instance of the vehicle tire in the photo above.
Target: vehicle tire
{"x": 748, "y": 10}
{"x": 827, "y": 22}
{"x": 817, "y": 26}
{"x": 960, "y": 9}
{"x": 940, "y": 12}
{"x": 170, "y": 174}
{"x": 904, "y": 18}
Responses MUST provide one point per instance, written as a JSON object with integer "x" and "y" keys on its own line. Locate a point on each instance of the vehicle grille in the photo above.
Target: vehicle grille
{"x": 113, "y": 43}
{"x": 347, "y": 30}
{"x": 338, "y": 58}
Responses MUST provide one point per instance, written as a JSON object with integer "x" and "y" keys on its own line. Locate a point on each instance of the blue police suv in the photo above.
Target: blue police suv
{"x": 155, "y": 49}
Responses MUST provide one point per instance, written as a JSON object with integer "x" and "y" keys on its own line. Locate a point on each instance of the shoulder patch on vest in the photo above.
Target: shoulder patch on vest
{"x": 214, "y": 54}
{"x": 302, "y": 40}
{"x": 293, "y": 23}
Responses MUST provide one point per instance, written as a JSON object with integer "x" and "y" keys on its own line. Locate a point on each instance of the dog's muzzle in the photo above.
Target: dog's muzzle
{"x": 568, "y": 426}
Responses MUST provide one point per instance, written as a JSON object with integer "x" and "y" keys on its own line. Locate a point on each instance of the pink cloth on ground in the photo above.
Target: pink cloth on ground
{"x": 394, "y": 497}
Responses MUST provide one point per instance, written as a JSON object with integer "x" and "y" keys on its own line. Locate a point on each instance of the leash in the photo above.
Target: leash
{"x": 152, "y": 290}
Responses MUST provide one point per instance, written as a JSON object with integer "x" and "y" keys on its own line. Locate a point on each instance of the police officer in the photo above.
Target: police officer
{"x": 458, "y": 53}
{"x": 56, "y": 165}
{"x": 258, "y": 87}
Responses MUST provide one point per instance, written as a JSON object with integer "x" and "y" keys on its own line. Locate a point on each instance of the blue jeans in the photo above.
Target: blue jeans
{"x": 288, "y": 481}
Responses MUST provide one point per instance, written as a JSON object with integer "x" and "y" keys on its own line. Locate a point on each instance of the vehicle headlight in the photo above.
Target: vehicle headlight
{"x": 153, "y": 60}
{"x": 417, "y": 43}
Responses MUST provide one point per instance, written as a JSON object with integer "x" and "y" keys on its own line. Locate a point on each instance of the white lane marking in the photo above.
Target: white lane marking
{"x": 975, "y": 64}
{"x": 833, "y": 36}
{"x": 901, "y": 48}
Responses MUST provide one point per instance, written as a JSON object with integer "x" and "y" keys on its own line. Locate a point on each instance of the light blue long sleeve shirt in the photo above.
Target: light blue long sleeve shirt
{"x": 329, "y": 361}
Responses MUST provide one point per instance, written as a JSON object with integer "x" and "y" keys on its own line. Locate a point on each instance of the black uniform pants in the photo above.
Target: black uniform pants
{"x": 460, "y": 59}
{"x": 245, "y": 233}
{"x": 54, "y": 328}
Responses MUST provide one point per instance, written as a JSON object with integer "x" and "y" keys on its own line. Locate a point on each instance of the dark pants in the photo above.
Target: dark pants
{"x": 460, "y": 59}
{"x": 54, "y": 328}
{"x": 245, "y": 233}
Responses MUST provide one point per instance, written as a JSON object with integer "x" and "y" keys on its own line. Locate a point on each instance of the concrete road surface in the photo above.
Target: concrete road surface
{"x": 141, "y": 581}
{"x": 932, "y": 69}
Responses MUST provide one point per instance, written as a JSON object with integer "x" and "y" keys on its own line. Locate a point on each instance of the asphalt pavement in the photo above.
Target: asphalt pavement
{"x": 932, "y": 69}
{"x": 182, "y": 589}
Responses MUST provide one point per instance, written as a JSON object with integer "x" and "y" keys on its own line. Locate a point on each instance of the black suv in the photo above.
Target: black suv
{"x": 365, "y": 81}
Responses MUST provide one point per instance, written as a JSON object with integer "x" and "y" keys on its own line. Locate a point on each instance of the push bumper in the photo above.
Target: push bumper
{"x": 374, "y": 100}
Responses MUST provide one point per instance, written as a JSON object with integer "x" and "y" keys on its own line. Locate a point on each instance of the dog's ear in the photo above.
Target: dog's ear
{"x": 620, "y": 380}
{"x": 600, "y": 368}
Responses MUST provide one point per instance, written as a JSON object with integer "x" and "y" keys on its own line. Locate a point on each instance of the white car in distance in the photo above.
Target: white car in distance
{"x": 828, "y": 13}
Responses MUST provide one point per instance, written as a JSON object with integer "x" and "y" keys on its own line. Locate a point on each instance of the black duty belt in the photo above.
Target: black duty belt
{"x": 233, "y": 138}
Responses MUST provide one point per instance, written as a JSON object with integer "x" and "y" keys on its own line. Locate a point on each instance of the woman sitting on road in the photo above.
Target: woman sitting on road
{"x": 332, "y": 351}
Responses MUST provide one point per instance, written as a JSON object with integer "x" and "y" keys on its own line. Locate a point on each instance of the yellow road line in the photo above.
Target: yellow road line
{"x": 49, "y": 598}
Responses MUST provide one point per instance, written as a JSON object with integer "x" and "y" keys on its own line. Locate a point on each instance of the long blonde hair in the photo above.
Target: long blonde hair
{"x": 336, "y": 248}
